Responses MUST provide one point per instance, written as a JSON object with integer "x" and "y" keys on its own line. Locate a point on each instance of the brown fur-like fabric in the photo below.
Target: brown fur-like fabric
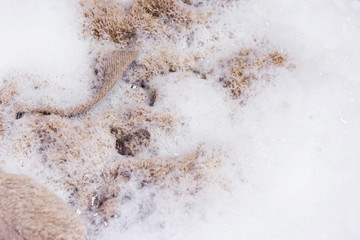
{"x": 109, "y": 20}
{"x": 250, "y": 65}
{"x": 29, "y": 211}
{"x": 160, "y": 20}
{"x": 6, "y": 95}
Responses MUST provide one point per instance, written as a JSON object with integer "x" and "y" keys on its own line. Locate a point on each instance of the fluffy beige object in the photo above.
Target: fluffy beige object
{"x": 31, "y": 212}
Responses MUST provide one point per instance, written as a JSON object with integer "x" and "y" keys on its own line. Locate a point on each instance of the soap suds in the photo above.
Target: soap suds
{"x": 273, "y": 157}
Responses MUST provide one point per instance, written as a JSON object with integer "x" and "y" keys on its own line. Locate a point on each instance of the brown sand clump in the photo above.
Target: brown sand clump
{"x": 105, "y": 20}
{"x": 184, "y": 174}
{"x": 79, "y": 151}
{"x": 109, "y": 20}
{"x": 248, "y": 66}
{"x": 30, "y": 211}
{"x": 73, "y": 153}
{"x": 132, "y": 134}
{"x": 193, "y": 165}
{"x": 163, "y": 60}
{"x": 157, "y": 21}
{"x": 142, "y": 117}
{"x": 277, "y": 58}
{"x": 7, "y": 94}
{"x": 172, "y": 13}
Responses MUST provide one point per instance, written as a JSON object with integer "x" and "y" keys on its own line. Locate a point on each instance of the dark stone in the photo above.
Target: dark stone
{"x": 130, "y": 144}
{"x": 123, "y": 145}
{"x": 19, "y": 115}
{"x": 152, "y": 98}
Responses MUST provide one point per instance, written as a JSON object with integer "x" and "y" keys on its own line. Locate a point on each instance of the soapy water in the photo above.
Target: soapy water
{"x": 288, "y": 146}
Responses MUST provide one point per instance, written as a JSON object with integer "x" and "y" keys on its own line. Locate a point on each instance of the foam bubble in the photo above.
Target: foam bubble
{"x": 289, "y": 148}
{"x": 43, "y": 51}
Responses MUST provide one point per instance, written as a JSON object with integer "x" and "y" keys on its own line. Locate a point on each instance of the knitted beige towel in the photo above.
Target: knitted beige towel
{"x": 112, "y": 67}
{"x": 29, "y": 211}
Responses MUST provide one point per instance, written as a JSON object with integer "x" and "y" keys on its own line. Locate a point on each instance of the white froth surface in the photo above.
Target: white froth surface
{"x": 292, "y": 151}
{"x": 42, "y": 51}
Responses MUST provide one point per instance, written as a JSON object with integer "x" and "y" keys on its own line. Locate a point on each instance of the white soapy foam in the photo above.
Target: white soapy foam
{"x": 291, "y": 151}
{"x": 294, "y": 142}
{"x": 42, "y": 51}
